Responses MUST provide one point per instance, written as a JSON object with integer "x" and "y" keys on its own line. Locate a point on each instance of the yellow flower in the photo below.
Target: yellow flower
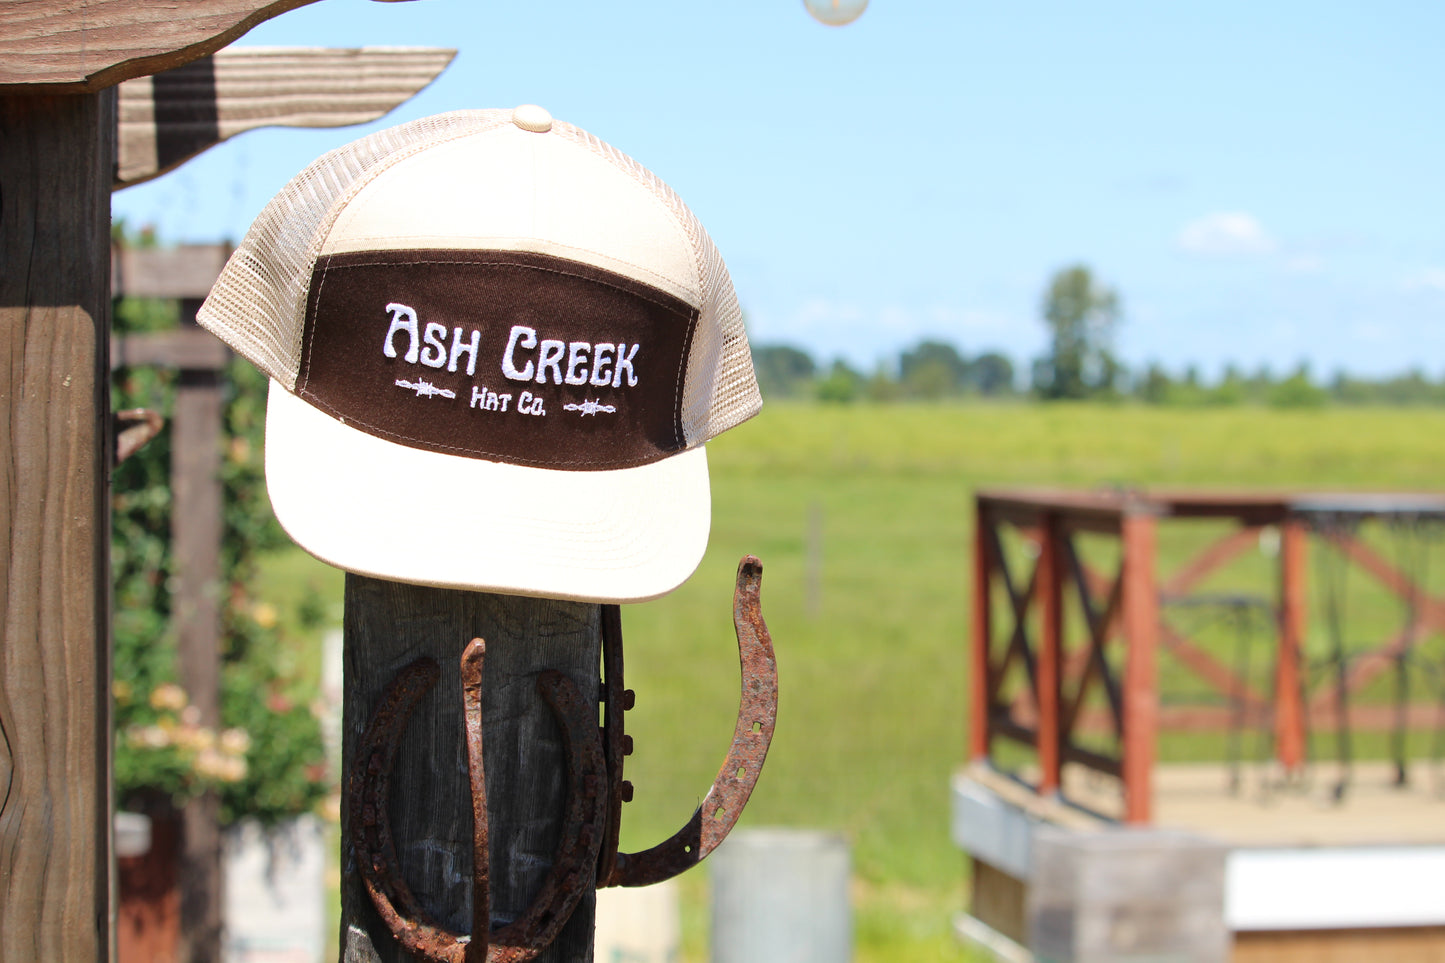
{"x": 235, "y": 742}
{"x": 214, "y": 765}
{"x": 196, "y": 738}
{"x": 150, "y": 737}
{"x": 265, "y": 615}
{"x": 121, "y": 690}
{"x": 169, "y": 696}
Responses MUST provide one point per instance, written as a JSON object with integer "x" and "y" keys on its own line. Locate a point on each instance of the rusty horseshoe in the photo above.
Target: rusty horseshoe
{"x": 577, "y": 850}
{"x": 724, "y": 802}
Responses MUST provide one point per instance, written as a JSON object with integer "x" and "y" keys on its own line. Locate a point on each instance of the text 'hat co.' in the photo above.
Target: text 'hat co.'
{"x": 496, "y": 348}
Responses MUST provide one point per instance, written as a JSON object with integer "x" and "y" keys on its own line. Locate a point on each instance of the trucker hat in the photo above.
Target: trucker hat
{"x": 496, "y": 347}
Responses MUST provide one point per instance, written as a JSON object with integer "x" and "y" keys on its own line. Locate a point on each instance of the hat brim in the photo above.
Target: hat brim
{"x": 382, "y": 509}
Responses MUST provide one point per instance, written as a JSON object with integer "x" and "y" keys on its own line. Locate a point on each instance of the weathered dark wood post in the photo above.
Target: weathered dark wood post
{"x": 56, "y": 156}
{"x": 388, "y": 625}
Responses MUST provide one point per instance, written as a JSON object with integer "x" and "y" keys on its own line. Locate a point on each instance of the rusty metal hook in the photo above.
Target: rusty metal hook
{"x": 133, "y": 428}
{"x": 724, "y": 802}
{"x": 577, "y": 850}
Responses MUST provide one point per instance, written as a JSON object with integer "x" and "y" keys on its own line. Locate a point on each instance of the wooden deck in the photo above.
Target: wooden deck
{"x": 1265, "y": 812}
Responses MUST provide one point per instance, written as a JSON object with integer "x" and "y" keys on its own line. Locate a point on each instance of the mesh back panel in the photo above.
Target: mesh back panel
{"x": 721, "y": 390}
{"x": 258, "y": 304}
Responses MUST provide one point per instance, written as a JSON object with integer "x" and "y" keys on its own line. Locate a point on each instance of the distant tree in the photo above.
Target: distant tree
{"x": 932, "y": 369}
{"x": 1155, "y": 386}
{"x": 783, "y": 371}
{"x": 1080, "y": 314}
{"x": 882, "y": 386}
{"x": 842, "y": 384}
{"x": 992, "y": 374}
{"x": 1231, "y": 390}
{"x": 1298, "y": 391}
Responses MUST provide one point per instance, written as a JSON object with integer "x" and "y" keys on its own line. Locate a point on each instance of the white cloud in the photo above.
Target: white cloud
{"x": 1305, "y": 264}
{"x": 822, "y": 313}
{"x": 1226, "y": 234}
{"x": 1430, "y": 279}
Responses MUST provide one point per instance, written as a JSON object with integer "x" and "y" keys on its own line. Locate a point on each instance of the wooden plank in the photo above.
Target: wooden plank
{"x": 196, "y": 531}
{"x": 980, "y": 636}
{"x": 1050, "y": 656}
{"x": 1411, "y": 944}
{"x": 386, "y": 626}
{"x": 175, "y": 273}
{"x": 1229, "y": 547}
{"x": 74, "y": 46}
{"x": 1291, "y": 734}
{"x": 194, "y": 349}
{"x": 171, "y": 117}
{"x": 1141, "y": 676}
{"x": 54, "y": 518}
{"x": 999, "y": 901}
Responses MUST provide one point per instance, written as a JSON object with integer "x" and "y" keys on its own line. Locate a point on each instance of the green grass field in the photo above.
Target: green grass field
{"x": 871, "y": 656}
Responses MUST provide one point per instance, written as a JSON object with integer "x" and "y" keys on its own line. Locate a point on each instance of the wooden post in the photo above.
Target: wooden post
{"x": 1289, "y": 708}
{"x": 1050, "y": 658}
{"x": 55, "y": 853}
{"x": 196, "y": 534}
{"x": 387, "y": 625}
{"x": 1141, "y": 636}
{"x": 981, "y": 630}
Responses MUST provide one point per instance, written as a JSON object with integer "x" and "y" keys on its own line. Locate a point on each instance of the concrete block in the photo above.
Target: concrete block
{"x": 1127, "y": 896}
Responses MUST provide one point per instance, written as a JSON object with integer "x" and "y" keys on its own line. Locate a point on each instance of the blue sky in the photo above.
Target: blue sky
{"x": 1261, "y": 183}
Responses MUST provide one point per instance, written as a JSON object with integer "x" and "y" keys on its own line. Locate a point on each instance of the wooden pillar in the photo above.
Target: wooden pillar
{"x": 1289, "y": 708}
{"x": 196, "y": 521}
{"x": 1141, "y": 690}
{"x": 57, "y": 157}
{"x": 388, "y": 625}
{"x": 981, "y": 632}
{"x": 1050, "y": 590}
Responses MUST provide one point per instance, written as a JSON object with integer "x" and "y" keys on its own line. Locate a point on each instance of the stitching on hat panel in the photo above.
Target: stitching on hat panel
{"x": 656, "y": 187}
{"x": 657, "y": 280}
{"x": 678, "y": 401}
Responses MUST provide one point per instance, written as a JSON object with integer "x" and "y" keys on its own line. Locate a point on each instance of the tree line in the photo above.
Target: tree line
{"x": 1080, "y": 315}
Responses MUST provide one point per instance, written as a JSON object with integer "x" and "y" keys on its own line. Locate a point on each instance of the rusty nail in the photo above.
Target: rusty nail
{"x": 133, "y": 428}
{"x": 629, "y": 700}
{"x": 472, "y": 657}
{"x": 626, "y": 792}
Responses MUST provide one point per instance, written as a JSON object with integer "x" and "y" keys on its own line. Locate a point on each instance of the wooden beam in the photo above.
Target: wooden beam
{"x": 1051, "y": 642}
{"x": 173, "y": 116}
{"x": 980, "y": 636}
{"x": 75, "y": 46}
{"x": 1289, "y": 710}
{"x": 196, "y": 530}
{"x": 1141, "y": 676}
{"x": 55, "y": 452}
{"x": 173, "y": 273}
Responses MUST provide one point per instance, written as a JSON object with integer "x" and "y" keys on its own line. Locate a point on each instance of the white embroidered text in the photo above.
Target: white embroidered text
{"x": 428, "y": 346}
{"x": 564, "y": 362}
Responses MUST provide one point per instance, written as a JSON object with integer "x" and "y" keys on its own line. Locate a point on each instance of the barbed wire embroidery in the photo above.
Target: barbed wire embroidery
{"x": 591, "y": 408}
{"x": 425, "y": 389}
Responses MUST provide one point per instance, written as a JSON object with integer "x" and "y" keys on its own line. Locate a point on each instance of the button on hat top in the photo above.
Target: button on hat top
{"x": 533, "y": 118}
